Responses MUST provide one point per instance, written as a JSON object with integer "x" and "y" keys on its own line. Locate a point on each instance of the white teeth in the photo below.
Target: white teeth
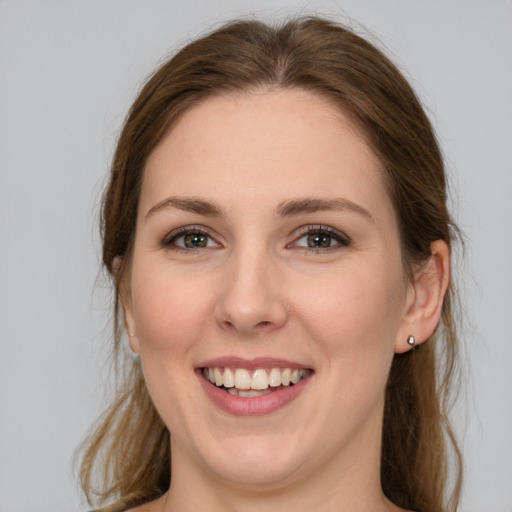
{"x": 252, "y": 393}
{"x": 248, "y": 393}
{"x": 228, "y": 379}
{"x": 274, "y": 378}
{"x": 295, "y": 376}
{"x": 286, "y": 377}
{"x": 259, "y": 380}
{"x": 242, "y": 379}
{"x": 262, "y": 379}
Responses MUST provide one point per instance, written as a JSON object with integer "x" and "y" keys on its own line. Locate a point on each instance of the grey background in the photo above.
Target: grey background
{"x": 68, "y": 72}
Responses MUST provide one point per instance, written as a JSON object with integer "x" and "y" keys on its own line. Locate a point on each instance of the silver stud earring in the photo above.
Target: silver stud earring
{"x": 411, "y": 340}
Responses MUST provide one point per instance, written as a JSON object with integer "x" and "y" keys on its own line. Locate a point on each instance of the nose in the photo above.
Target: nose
{"x": 251, "y": 301}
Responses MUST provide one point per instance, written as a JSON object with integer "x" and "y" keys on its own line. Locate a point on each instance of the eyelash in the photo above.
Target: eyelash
{"x": 170, "y": 240}
{"x": 340, "y": 238}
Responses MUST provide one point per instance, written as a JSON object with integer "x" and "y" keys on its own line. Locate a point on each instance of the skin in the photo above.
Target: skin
{"x": 258, "y": 290}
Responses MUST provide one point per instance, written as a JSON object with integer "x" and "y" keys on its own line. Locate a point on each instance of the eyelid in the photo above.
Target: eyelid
{"x": 340, "y": 237}
{"x": 167, "y": 241}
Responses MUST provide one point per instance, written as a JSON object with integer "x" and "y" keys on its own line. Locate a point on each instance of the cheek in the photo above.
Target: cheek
{"x": 351, "y": 319}
{"x": 170, "y": 317}
{"x": 169, "y": 313}
{"x": 352, "y": 313}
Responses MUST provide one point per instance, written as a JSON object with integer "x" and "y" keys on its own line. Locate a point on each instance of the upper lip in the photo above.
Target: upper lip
{"x": 250, "y": 364}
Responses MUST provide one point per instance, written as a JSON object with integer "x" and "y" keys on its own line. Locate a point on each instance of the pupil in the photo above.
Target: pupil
{"x": 319, "y": 240}
{"x": 194, "y": 240}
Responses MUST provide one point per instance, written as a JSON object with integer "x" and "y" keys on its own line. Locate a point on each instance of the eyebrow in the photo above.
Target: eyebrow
{"x": 188, "y": 204}
{"x": 311, "y": 205}
{"x": 287, "y": 209}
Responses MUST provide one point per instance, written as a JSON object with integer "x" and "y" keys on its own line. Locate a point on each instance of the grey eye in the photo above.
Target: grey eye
{"x": 321, "y": 238}
{"x": 192, "y": 240}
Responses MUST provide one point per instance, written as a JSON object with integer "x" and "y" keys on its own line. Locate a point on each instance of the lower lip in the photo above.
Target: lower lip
{"x": 253, "y": 406}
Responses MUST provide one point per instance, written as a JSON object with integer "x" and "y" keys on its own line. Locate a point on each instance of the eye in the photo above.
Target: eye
{"x": 190, "y": 238}
{"x": 321, "y": 237}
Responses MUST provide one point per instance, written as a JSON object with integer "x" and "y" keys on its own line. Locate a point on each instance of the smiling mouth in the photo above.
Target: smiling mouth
{"x": 245, "y": 383}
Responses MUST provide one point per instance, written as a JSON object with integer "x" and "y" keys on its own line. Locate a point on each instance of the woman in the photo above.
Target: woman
{"x": 276, "y": 228}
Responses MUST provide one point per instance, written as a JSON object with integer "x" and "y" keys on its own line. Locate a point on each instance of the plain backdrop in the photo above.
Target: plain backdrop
{"x": 68, "y": 72}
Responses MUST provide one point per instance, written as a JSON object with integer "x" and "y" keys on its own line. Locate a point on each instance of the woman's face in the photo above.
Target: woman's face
{"x": 266, "y": 250}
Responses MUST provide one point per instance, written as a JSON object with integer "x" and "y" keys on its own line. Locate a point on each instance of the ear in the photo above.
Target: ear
{"x": 425, "y": 298}
{"x": 126, "y": 303}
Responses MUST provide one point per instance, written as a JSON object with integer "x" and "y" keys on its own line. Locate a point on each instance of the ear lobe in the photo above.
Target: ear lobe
{"x": 126, "y": 305}
{"x": 425, "y": 298}
{"x": 129, "y": 323}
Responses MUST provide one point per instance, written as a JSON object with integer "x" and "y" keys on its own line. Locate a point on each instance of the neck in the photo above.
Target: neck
{"x": 300, "y": 497}
{"x": 348, "y": 483}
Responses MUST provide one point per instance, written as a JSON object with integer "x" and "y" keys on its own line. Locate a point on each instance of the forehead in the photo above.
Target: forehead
{"x": 288, "y": 142}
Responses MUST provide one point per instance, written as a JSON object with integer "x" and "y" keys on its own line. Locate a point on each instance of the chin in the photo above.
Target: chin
{"x": 256, "y": 461}
{"x": 254, "y": 474}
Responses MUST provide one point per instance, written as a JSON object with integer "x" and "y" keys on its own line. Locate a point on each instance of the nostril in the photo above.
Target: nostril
{"x": 259, "y": 327}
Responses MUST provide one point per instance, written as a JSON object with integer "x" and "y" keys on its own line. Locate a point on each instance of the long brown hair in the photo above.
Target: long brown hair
{"x": 127, "y": 457}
